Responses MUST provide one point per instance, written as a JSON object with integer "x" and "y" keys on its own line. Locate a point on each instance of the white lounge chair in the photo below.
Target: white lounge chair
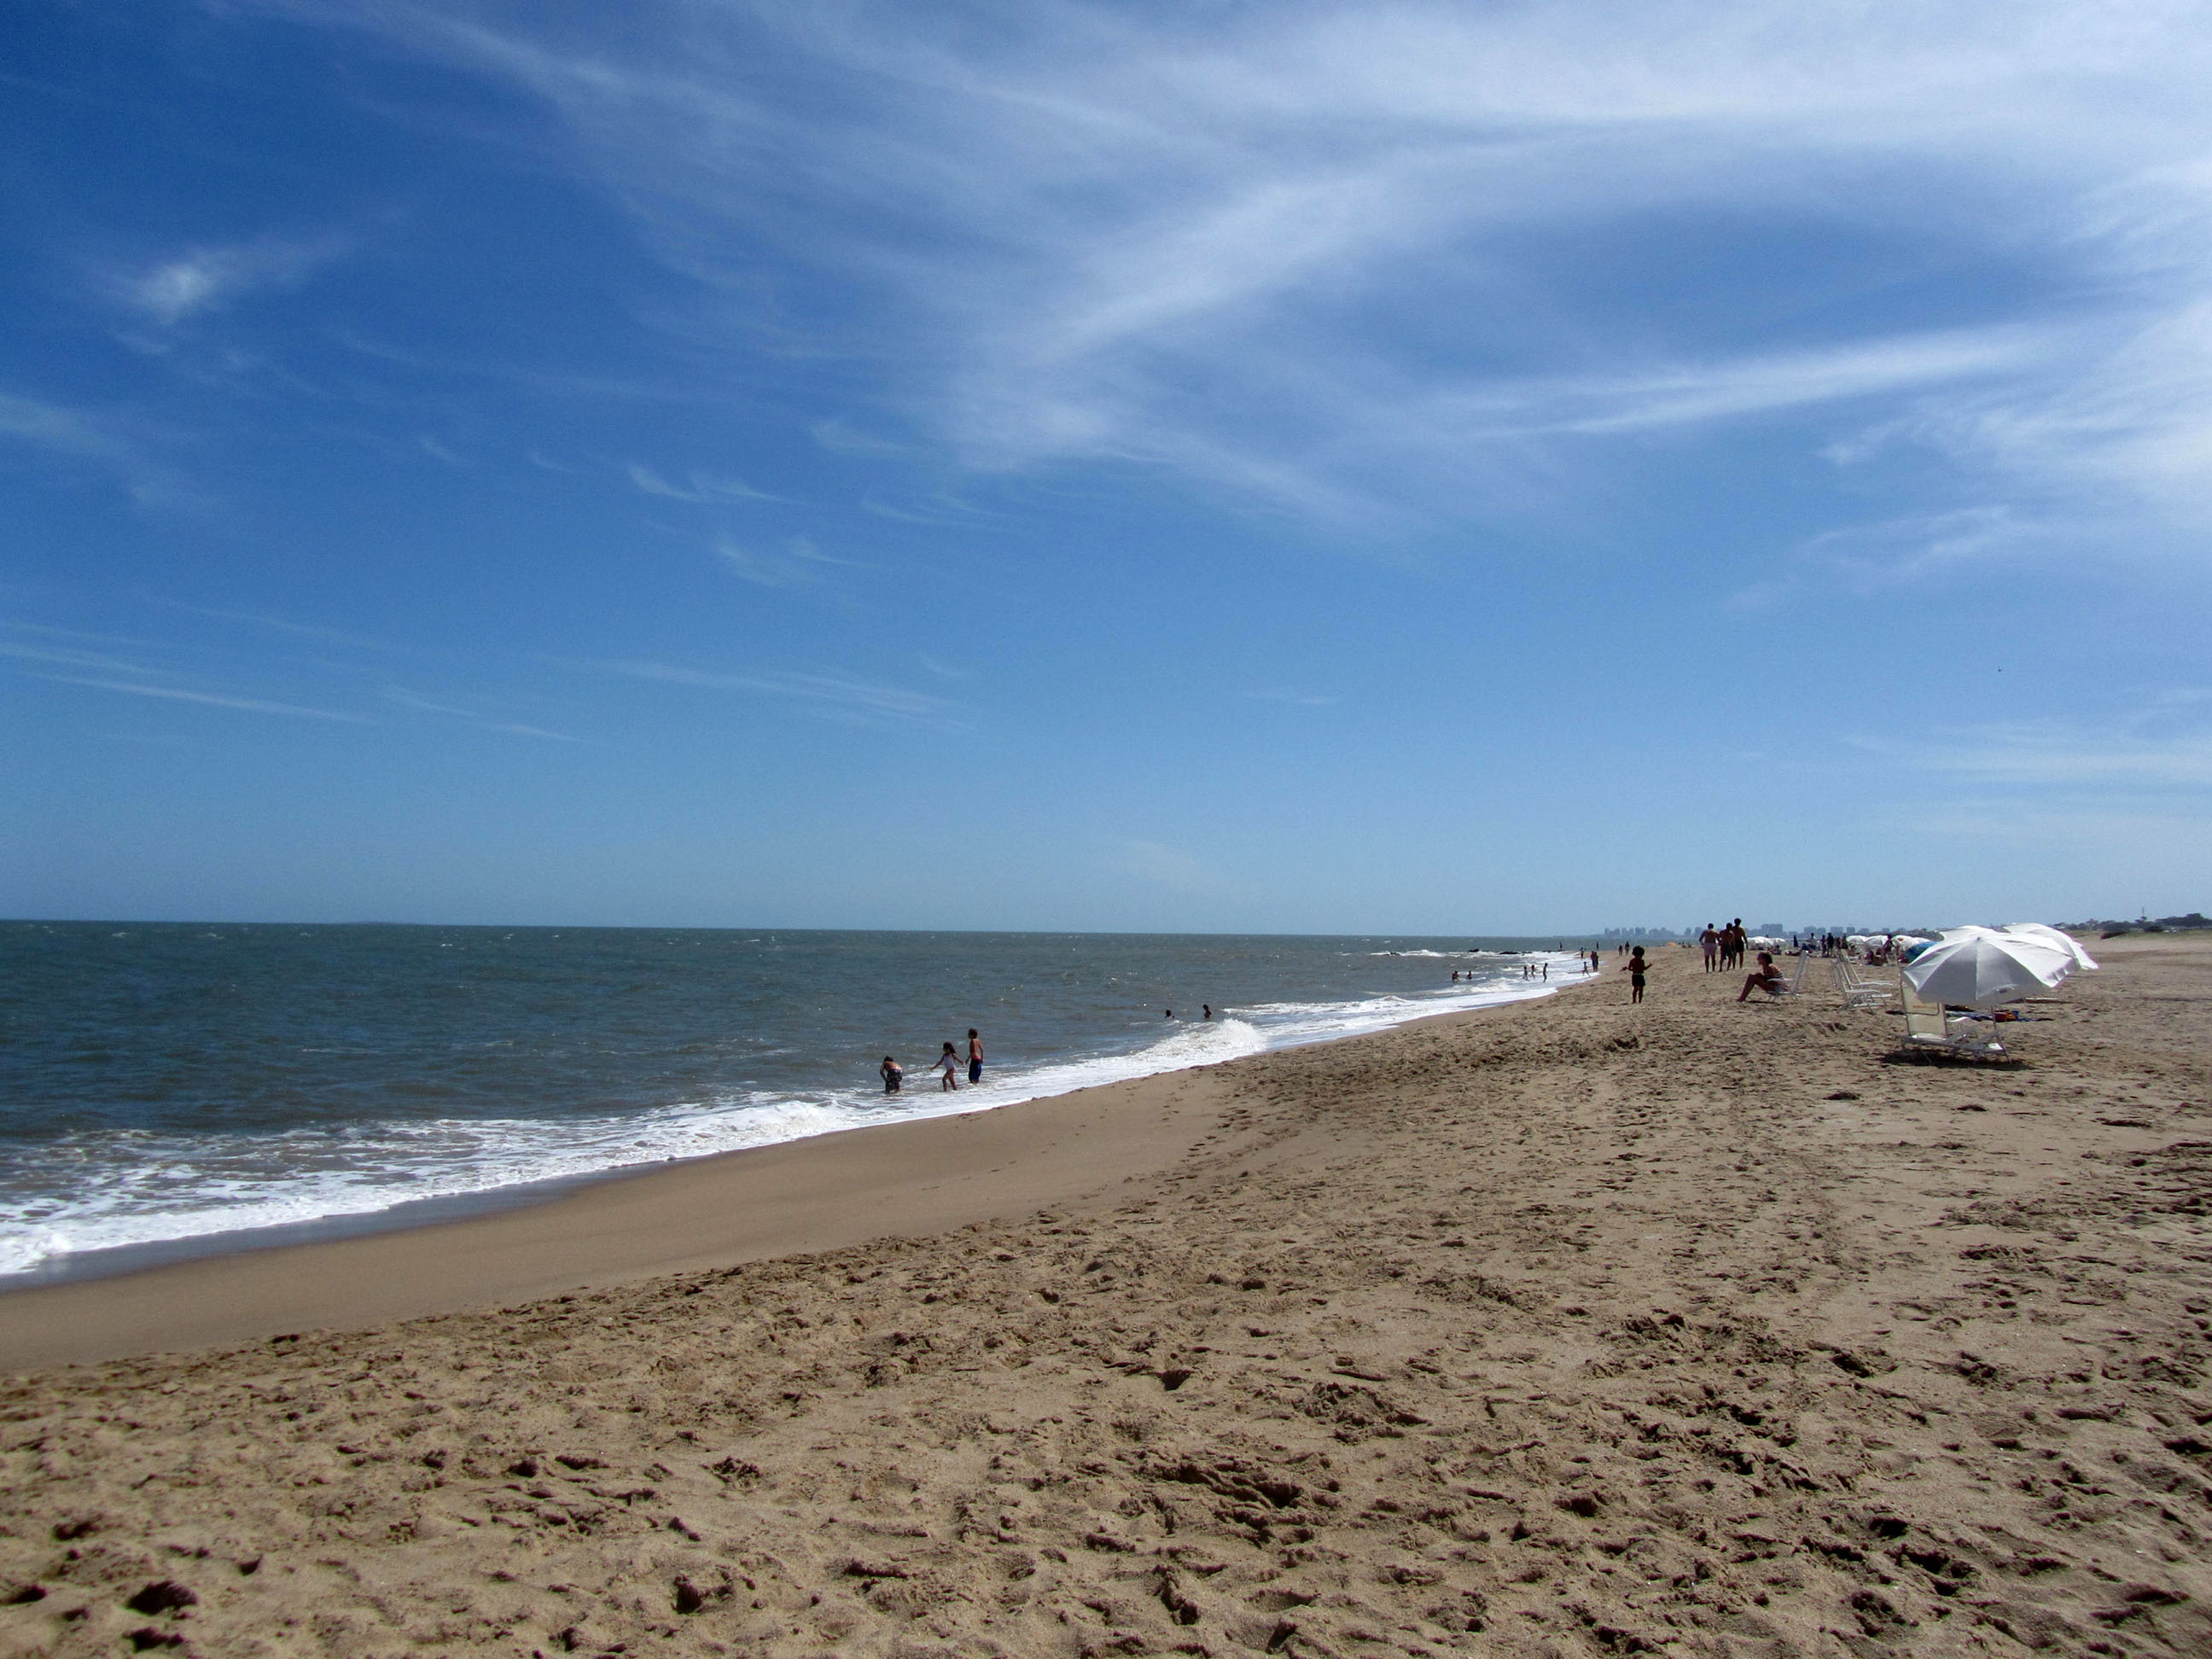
{"x": 1861, "y": 990}
{"x": 1929, "y": 1028}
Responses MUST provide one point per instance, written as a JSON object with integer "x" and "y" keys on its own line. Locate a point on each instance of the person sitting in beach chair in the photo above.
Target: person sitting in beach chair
{"x": 1766, "y": 977}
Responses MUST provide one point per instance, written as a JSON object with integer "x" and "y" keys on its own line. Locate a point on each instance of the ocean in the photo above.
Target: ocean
{"x": 176, "y": 1088}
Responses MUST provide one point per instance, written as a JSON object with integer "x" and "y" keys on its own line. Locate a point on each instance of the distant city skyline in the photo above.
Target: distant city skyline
{"x": 1350, "y": 468}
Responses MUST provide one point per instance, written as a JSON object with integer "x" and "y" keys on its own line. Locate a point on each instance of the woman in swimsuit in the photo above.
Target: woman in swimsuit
{"x": 1767, "y": 978}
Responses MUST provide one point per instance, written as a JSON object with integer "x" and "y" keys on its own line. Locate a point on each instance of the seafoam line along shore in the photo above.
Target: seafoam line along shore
{"x": 148, "y": 1197}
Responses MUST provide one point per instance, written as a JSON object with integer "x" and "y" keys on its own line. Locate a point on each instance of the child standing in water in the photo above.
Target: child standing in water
{"x": 1635, "y": 972}
{"x": 949, "y": 1063}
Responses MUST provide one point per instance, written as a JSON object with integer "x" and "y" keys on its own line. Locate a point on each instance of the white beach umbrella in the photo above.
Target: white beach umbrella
{"x": 1980, "y": 968}
{"x": 2052, "y": 936}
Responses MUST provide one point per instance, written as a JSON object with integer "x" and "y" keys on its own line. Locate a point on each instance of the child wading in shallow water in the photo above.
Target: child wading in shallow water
{"x": 1635, "y": 972}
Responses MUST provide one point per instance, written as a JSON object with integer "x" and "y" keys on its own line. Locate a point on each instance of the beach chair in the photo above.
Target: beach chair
{"x": 1861, "y": 990}
{"x": 1930, "y": 1029}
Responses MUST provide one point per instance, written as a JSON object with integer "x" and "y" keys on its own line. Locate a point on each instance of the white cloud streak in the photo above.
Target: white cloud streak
{"x": 797, "y": 562}
{"x": 175, "y": 290}
{"x": 401, "y": 697}
{"x": 2162, "y": 746}
{"x": 85, "y": 659}
{"x": 697, "y": 489}
{"x": 837, "y": 694}
{"x": 1337, "y": 256}
{"x": 211, "y": 699}
{"x": 115, "y": 444}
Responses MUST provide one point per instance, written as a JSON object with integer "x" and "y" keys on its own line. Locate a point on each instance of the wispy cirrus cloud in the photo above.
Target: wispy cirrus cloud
{"x": 117, "y": 445}
{"x": 175, "y": 289}
{"x": 401, "y": 697}
{"x": 211, "y": 699}
{"x": 696, "y": 488}
{"x": 793, "y": 562}
{"x": 2164, "y": 745}
{"x": 836, "y": 694}
{"x": 221, "y": 669}
{"x": 62, "y": 657}
{"x": 1354, "y": 258}
{"x": 1911, "y": 550}
{"x": 840, "y": 437}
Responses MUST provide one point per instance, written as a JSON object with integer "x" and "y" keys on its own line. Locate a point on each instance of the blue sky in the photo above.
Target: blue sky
{"x": 1332, "y": 467}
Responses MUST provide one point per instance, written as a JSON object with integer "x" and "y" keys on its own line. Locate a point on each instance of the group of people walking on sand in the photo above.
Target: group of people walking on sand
{"x": 947, "y": 1068}
{"x": 1723, "y": 946}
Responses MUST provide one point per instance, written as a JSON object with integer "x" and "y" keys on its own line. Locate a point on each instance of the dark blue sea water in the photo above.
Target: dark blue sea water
{"x": 164, "y": 1082}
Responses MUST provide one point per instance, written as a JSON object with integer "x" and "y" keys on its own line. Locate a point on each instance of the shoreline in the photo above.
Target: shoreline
{"x": 1693, "y": 1327}
{"x": 925, "y": 1174}
{"x": 138, "y": 1256}
{"x": 822, "y": 1192}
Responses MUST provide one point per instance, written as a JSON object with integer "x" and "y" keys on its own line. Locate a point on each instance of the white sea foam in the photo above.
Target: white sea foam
{"x": 157, "y": 1188}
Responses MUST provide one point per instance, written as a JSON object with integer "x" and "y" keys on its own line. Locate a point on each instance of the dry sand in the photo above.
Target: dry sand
{"x": 1568, "y": 1328}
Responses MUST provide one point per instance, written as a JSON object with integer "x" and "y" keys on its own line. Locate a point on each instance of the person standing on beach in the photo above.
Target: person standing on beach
{"x": 949, "y": 1063}
{"x": 1710, "y": 941}
{"x": 894, "y": 1075}
{"x": 975, "y": 1056}
{"x": 1635, "y": 972}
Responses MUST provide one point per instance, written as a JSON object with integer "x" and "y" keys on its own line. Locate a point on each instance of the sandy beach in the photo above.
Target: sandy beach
{"x": 1567, "y": 1327}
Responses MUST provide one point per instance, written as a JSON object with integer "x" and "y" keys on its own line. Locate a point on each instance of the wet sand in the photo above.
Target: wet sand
{"x": 1567, "y": 1327}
